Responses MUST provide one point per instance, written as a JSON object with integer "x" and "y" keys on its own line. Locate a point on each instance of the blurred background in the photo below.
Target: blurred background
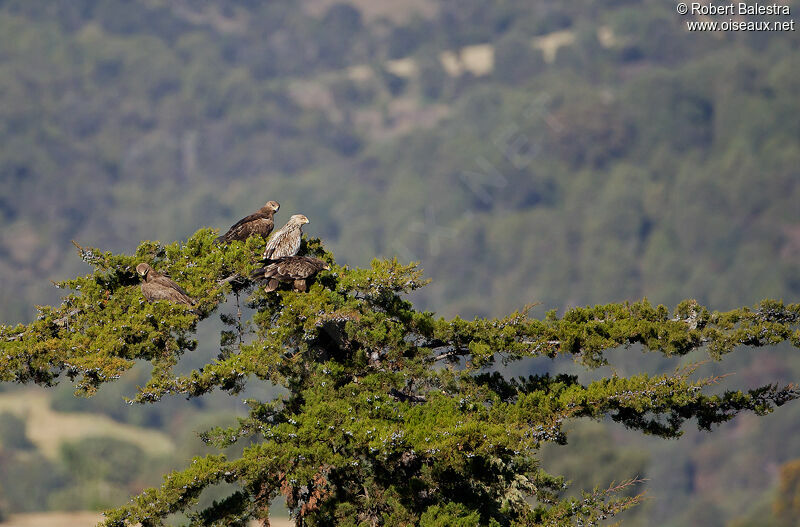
{"x": 522, "y": 151}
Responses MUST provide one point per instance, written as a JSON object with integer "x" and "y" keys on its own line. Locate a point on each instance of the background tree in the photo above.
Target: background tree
{"x": 787, "y": 501}
{"x": 515, "y": 59}
{"x": 695, "y": 195}
{"x": 388, "y": 415}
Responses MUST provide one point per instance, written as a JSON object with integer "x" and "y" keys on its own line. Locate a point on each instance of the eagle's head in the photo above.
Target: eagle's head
{"x": 271, "y": 206}
{"x": 299, "y": 219}
{"x": 326, "y": 267}
{"x": 142, "y": 269}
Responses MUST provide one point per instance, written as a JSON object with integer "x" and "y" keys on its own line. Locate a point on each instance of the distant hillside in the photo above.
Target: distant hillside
{"x": 562, "y": 153}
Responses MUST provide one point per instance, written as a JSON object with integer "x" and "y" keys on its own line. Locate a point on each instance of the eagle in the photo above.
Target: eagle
{"x": 295, "y": 269}
{"x": 156, "y": 286}
{"x": 286, "y": 240}
{"x": 257, "y": 224}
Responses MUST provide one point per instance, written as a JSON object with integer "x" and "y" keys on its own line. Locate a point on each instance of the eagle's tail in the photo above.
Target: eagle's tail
{"x": 259, "y": 273}
{"x": 265, "y": 273}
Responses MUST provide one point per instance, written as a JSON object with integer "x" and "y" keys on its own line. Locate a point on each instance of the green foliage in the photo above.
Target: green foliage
{"x": 77, "y": 339}
{"x": 390, "y": 415}
{"x": 657, "y": 163}
{"x": 449, "y": 515}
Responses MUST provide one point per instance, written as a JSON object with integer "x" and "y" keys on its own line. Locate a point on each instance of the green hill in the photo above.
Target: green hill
{"x": 562, "y": 153}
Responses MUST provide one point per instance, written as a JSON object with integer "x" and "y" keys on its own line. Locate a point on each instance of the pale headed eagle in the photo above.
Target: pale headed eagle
{"x": 156, "y": 286}
{"x": 286, "y": 240}
{"x": 257, "y": 224}
{"x": 295, "y": 269}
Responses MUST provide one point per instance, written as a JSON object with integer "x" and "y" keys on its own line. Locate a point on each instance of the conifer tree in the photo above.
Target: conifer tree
{"x": 390, "y": 415}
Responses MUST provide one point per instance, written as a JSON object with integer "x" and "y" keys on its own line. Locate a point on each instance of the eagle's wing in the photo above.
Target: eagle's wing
{"x": 265, "y": 273}
{"x": 290, "y": 268}
{"x": 298, "y": 267}
{"x": 257, "y": 223}
{"x": 154, "y": 291}
{"x": 283, "y": 244}
{"x": 293, "y": 268}
{"x": 166, "y": 284}
{"x": 273, "y": 242}
{"x": 248, "y": 219}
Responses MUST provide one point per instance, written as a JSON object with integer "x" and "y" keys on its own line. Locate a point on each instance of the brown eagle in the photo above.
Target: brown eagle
{"x": 286, "y": 240}
{"x": 257, "y": 224}
{"x": 156, "y": 286}
{"x": 295, "y": 269}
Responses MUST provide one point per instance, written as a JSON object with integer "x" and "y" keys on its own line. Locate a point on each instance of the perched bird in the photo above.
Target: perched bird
{"x": 286, "y": 240}
{"x": 257, "y": 224}
{"x": 156, "y": 286}
{"x": 295, "y": 269}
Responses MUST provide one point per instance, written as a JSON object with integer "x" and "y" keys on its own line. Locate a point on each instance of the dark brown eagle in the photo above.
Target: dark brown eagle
{"x": 286, "y": 240}
{"x": 256, "y": 224}
{"x": 295, "y": 269}
{"x": 156, "y": 286}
